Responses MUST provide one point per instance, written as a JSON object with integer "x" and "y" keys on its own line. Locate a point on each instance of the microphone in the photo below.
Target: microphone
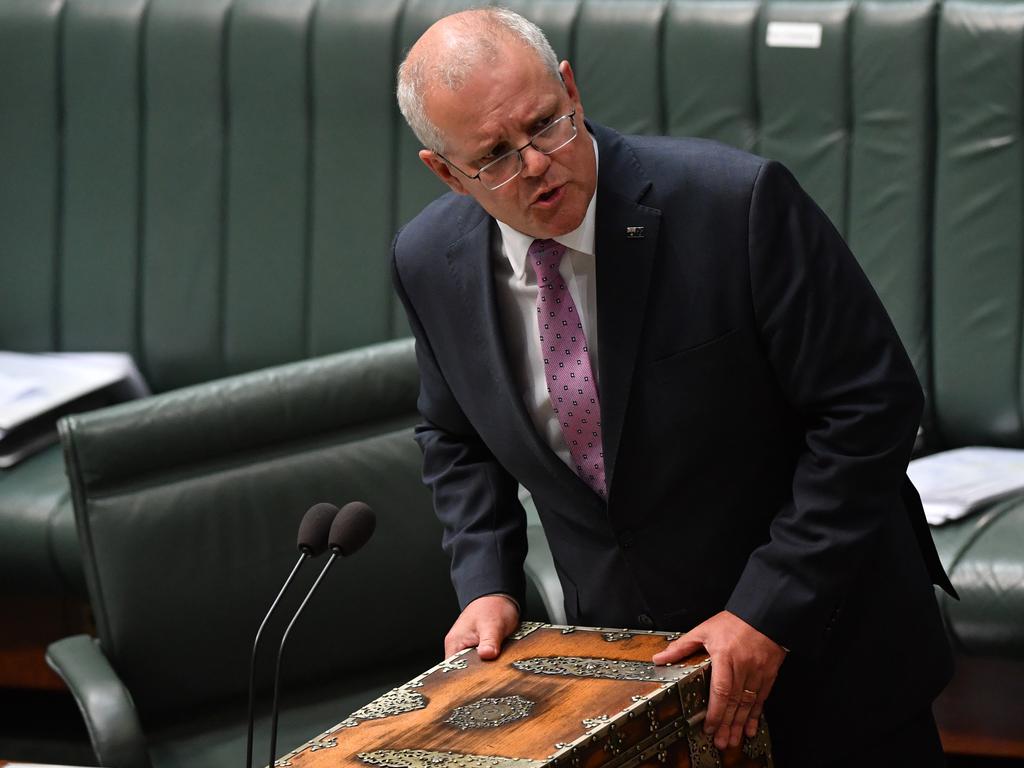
{"x": 352, "y": 528}
{"x": 314, "y": 533}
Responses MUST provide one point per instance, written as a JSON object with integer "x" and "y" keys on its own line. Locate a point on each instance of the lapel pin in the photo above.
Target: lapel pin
{"x": 634, "y": 233}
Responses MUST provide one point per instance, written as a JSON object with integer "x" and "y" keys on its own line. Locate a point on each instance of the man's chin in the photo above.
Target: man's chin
{"x": 557, "y": 222}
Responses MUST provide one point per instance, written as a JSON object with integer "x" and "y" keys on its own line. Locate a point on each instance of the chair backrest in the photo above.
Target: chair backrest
{"x": 188, "y": 535}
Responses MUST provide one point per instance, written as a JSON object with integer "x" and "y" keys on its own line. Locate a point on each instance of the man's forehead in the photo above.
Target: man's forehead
{"x": 520, "y": 117}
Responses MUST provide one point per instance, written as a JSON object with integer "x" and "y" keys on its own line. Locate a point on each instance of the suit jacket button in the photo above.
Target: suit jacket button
{"x": 645, "y": 621}
{"x": 626, "y": 539}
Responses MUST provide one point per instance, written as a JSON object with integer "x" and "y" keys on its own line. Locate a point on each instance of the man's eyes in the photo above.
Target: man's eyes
{"x": 504, "y": 149}
{"x": 494, "y": 154}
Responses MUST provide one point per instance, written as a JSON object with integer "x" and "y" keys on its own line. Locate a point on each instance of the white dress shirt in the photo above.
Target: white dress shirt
{"x": 516, "y": 289}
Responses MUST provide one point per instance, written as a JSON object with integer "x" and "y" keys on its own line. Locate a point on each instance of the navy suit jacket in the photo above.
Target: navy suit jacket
{"x": 758, "y": 414}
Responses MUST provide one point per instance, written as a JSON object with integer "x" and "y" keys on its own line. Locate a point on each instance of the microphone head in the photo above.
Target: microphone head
{"x": 352, "y": 527}
{"x": 315, "y": 528}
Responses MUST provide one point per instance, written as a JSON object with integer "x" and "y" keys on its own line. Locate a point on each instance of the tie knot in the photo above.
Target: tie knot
{"x": 545, "y": 256}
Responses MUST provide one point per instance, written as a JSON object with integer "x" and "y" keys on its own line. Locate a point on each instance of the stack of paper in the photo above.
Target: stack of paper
{"x": 35, "y": 390}
{"x": 955, "y": 483}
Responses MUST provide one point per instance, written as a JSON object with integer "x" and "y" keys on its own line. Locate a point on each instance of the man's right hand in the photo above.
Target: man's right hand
{"x": 485, "y": 623}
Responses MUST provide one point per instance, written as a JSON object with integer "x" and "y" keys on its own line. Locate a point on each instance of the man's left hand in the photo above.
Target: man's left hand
{"x": 744, "y": 664}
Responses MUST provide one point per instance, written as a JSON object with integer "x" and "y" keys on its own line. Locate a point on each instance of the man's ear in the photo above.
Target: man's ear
{"x": 569, "y": 81}
{"x": 440, "y": 169}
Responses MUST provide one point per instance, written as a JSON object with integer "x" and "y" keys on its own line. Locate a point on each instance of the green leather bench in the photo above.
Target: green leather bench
{"x": 212, "y": 186}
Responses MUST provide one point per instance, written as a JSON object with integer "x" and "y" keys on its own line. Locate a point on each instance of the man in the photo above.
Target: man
{"x": 668, "y": 344}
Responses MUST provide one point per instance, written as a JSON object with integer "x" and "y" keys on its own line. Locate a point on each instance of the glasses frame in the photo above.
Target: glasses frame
{"x": 571, "y": 117}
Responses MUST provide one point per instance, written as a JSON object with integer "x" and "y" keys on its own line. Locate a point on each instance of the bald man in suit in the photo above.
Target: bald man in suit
{"x": 752, "y": 407}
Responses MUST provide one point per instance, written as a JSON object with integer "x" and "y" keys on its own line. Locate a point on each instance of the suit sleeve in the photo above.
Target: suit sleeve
{"x": 475, "y": 499}
{"x": 843, "y": 369}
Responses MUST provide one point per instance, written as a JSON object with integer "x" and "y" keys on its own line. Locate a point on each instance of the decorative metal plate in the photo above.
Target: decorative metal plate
{"x": 702, "y": 750}
{"x": 395, "y": 702}
{"x": 759, "y": 747}
{"x": 525, "y": 628}
{"x": 607, "y": 669}
{"x": 452, "y": 665}
{"x": 422, "y": 758}
{"x": 614, "y": 637}
{"x": 490, "y": 713}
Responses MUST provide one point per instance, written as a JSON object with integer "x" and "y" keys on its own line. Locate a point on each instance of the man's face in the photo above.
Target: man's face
{"x": 500, "y": 107}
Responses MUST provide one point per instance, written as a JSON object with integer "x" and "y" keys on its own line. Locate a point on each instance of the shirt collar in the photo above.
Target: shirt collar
{"x": 515, "y": 245}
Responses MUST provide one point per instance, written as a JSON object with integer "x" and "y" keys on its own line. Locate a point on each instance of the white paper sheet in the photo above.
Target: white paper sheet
{"x": 954, "y": 483}
{"x": 31, "y": 385}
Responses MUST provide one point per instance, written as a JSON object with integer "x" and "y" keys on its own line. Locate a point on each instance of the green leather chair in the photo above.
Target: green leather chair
{"x": 188, "y": 506}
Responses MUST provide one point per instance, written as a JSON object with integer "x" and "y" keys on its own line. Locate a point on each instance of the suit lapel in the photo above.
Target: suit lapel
{"x": 626, "y": 246}
{"x": 470, "y": 260}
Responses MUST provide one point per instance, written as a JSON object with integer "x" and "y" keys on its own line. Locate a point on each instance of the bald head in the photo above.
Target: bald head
{"x": 446, "y": 55}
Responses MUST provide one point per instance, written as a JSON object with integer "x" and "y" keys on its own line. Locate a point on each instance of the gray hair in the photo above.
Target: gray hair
{"x": 477, "y": 42}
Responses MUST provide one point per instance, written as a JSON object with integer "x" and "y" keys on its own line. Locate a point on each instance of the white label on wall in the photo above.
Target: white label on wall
{"x": 793, "y": 34}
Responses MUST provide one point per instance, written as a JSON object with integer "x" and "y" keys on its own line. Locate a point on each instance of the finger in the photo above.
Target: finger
{"x": 748, "y": 696}
{"x": 731, "y": 697}
{"x": 718, "y": 700}
{"x": 724, "y": 731}
{"x": 678, "y": 649}
{"x": 754, "y": 718}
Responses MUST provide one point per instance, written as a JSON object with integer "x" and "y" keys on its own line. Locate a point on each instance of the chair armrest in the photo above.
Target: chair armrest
{"x": 105, "y": 703}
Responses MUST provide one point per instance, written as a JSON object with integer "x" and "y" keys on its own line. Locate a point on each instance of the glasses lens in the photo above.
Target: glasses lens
{"x": 506, "y": 168}
{"x": 501, "y": 171}
{"x": 556, "y": 135}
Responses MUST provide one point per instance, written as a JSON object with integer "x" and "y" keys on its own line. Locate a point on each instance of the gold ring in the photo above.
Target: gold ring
{"x": 750, "y": 692}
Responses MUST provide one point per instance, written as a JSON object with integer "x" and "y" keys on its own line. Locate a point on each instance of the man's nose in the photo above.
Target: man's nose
{"x": 535, "y": 162}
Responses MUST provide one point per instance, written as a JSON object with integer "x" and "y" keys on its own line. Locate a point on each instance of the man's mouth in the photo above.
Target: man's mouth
{"x": 548, "y": 197}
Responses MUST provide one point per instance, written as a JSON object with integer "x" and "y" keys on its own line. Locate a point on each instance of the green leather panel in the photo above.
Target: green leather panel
{"x": 892, "y": 148}
{"x": 235, "y": 418}
{"x": 983, "y": 556}
{"x": 556, "y": 17}
{"x": 625, "y": 90}
{"x": 182, "y": 201}
{"x": 269, "y": 162}
{"x": 710, "y": 89}
{"x": 226, "y": 537}
{"x": 979, "y": 231}
{"x": 29, "y": 168}
{"x": 35, "y": 508}
{"x": 99, "y": 265}
{"x": 354, "y": 135}
{"x": 804, "y": 95}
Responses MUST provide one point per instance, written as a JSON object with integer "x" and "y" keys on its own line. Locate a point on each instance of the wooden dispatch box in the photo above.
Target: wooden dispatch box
{"x": 564, "y": 697}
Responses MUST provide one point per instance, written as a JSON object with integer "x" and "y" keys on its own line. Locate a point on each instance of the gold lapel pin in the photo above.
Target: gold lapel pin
{"x": 634, "y": 233}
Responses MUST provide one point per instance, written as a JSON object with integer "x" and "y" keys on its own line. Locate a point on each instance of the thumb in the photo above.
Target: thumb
{"x": 687, "y": 645}
{"x": 490, "y": 641}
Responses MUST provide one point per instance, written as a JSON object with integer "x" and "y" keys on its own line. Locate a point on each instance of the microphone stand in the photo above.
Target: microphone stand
{"x": 280, "y": 653}
{"x": 252, "y": 662}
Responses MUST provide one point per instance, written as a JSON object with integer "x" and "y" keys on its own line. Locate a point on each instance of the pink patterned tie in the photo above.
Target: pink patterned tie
{"x": 571, "y": 383}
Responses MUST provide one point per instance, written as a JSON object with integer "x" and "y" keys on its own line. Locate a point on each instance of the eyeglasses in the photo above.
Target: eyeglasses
{"x": 500, "y": 172}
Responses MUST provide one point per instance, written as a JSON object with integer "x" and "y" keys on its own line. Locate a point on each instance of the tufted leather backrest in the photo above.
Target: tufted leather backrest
{"x": 209, "y": 185}
{"x": 213, "y": 184}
